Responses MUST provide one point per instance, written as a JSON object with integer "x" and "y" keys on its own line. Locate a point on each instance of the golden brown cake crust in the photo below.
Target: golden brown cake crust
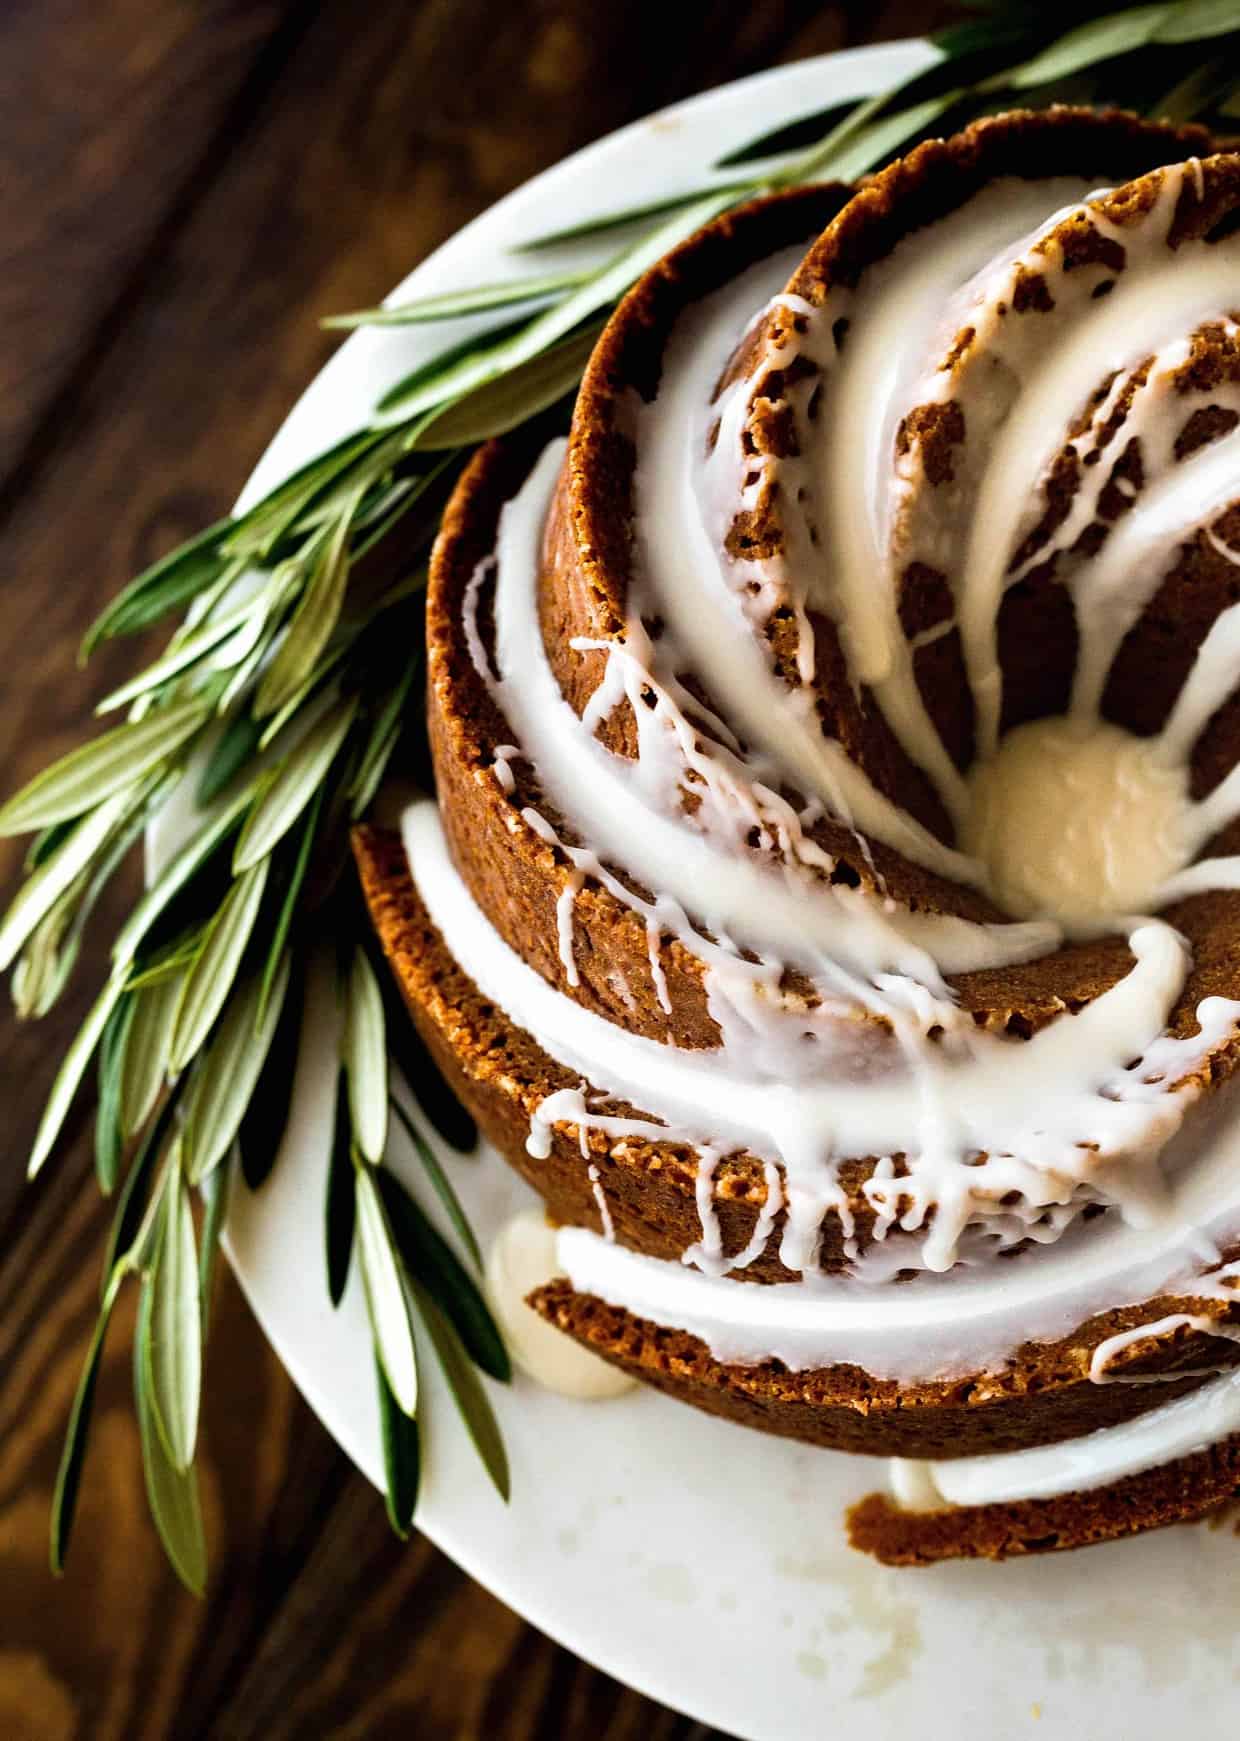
{"x": 1043, "y": 1394}
{"x": 1177, "y": 1492}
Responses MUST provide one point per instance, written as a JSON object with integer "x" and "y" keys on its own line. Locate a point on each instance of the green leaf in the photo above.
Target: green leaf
{"x": 171, "y": 1493}
{"x": 603, "y": 288}
{"x": 146, "y": 1053}
{"x": 370, "y": 774}
{"x": 467, "y": 1392}
{"x": 1099, "y": 39}
{"x": 1196, "y": 20}
{"x": 52, "y": 949}
{"x": 109, "y": 1136}
{"x": 215, "y": 1193}
{"x": 431, "y": 1261}
{"x": 625, "y": 216}
{"x": 455, "y": 303}
{"x": 441, "y": 1182}
{"x": 131, "y": 1209}
{"x": 365, "y": 1058}
{"x": 298, "y": 780}
{"x": 390, "y": 1319}
{"x": 228, "y": 1075}
{"x": 73, "y": 1067}
{"x": 69, "y": 1474}
{"x": 1193, "y": 94}
{"x": 236, "y": 745}
{"x": 520, "y": 393}
{"x": 385, "y": 725}
{"x": 341, "y": 1205}
{"x": 46, "y": 842}
{"x": 869, "y": 146}
{"x": 266, "y": 1117}
{"x": 112, "y": 764}
{"x": 210, "y": 979}
{"x": 174, "y": 1345}
{"x": 401, "y": 1457}
{"x": 316, "y": 615}
{"x": 176, "y": 874}
{"x": 788, "y": 136}
{"x": 284, "y": 919}
{"x": 57, "y": 874}
{"x": 422, "y": 1075}
{"x": 166, "y": 585}
{"x": 263, "y": 526}
{"x": 42, "y": 970}
{"x": 184, "y": 650}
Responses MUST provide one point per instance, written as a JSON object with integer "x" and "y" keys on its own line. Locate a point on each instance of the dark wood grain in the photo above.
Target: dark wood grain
{"x": 188, "y": 185}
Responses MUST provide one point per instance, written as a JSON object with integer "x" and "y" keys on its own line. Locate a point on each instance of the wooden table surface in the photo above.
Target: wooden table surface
{"x": 187, "y": 186}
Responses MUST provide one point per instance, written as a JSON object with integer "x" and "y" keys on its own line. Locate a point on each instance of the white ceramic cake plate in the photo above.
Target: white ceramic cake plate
{"x": 702, "y": 1563}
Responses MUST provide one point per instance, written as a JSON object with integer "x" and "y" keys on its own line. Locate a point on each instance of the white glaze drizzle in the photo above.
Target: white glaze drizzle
{"x": 995, "y": 1160}
{"x": 596, "y": 1185}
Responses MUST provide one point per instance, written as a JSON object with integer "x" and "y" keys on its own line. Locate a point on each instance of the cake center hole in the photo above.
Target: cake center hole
{"x": 1077, "y": 823}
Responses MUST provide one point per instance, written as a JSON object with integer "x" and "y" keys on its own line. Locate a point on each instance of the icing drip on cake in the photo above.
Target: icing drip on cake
{"x": 980, "y": 1143}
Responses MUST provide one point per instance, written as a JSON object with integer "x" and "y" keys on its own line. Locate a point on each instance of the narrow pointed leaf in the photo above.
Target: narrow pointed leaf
{"x": 42, "y": 981}
{"x": 109, "y": 1135}
{"x": 41, "y": 890}
{"x": 171, "y": 1493}
{"x": 316, "y": 615}
{"x": 874, "y": 144}
{"x": 788, "y": 136}
{"x": 390, "y": 1319}
{"x": 441, "y": 1183}
{"x": 297, "y": 782}
{"x": 69, "y": 1474}
{"x": 370, "y": 776}
{"x": 455, "y": 303}
{"x": 621, "y": 218}
{"x": 176, "y": 874}
{"x": 468, "y": 1393}
{"x": 365, "y": 1058}
{"x": 228, "y": 1075}
{"x": 401, "y": 1457}
{"x": 1099, "y": 39}
{"x": 266, "y": 1117}
{"x": 113, "y": 763}
{"x": 215, "y": 1192}
{"x": 520, "y": 393}
{"x": 1196, "y": 20}
{"x": 388, "y": 716}
{"x": 184, "y": 651}
{"x": 431, "y": 1261}
{"x": 175, "y": 1342}
{"x": 210, "y": 979}
{"x": 422, "y": 1076}
{"x": 134, "y": 1201}
{"x": 73, "y": 1068}
{"x": 46, "y": 842}
{"x": 284, "y": 919}
{"x": 167, "y": 584}
{"x": 341, "y": 1205}
{"x": 236, "y": 745}
{"x": 538, "y": 335}
{"x": 146, "y": 1052}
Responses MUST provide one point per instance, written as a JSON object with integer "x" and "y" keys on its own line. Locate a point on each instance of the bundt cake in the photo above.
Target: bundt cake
{"x": 832, "y": 901}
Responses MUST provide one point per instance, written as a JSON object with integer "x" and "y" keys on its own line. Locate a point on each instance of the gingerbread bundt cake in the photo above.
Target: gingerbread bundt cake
{"x": 832, "y": 904}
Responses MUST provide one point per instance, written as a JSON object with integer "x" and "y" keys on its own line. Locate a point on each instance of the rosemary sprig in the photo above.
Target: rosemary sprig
{"x": 286, "y": 690}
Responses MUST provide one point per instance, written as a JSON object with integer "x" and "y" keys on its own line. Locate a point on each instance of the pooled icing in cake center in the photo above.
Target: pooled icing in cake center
{"x": 1079, "y": 824}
